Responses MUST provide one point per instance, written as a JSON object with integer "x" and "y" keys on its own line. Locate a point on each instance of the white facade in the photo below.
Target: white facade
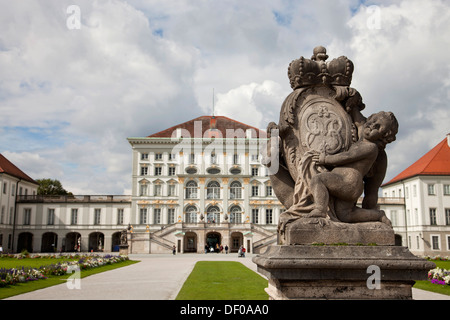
{"x": 427, "y": 212}
{"x": 197, "y": 193}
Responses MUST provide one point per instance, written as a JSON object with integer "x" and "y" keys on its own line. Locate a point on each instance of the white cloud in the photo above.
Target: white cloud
{"x": 72, "y": 97}
{"x": 254, "y": 104}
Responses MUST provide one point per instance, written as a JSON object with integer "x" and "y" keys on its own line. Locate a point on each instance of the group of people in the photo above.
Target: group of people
{"x": 217, "y": 249}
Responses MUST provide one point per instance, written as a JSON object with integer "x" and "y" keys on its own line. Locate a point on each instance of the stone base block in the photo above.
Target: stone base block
{"x": 341, "y": 272}
{"x": 320, "y": 230}
{"x": 123, "y": 249}
{"x": 337, "y": 290}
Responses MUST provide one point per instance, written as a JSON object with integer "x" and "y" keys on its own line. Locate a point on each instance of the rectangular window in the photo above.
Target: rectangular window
{"x": 144, "y": 171}
{"x": 171, "y": 191}
{"x": 192, "y": 158}
{"x": 172, "y": 156}
{"x": 144, "y": 156}
{"x": 5, "y": 185}
{"x": 255, "y": 191}
{"x": 119, "y": 216}
{"x": 157, "y": 190}
{"x": 254, "y": 171}
{"x": 97, "y": 213}
{"x": 26, "y": 216}
{"x": 171, "y": 171}
{"x": 143, "y": 216}
{"x": 74, "y": 216}
{"x": 157, "y": 216}
{"x": 268, "y": 191}
{"x": 235, "y": 158}
{"x": 433, "y": 216}
{"x": 447, "y": 216}
{"x": 143, "y": 190}
{"x": 446, "y": 189}
{"x": 435, "y": 242}
{"x": 51, "y": 217}
{"x": 394, "y": 218}
{"x": 158, "y": 156}
{"x": 431, "y": 190}
{"x": 158, "y": 171}
{"x": 269, "y": 216}
{"x": 171, "y": 216}
{"x": 255, "y": 215}
{"x": 414, "y": 191}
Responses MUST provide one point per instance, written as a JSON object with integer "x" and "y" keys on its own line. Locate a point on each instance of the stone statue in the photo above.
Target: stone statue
{"x": 329, "y": 152}
{"x": 123, "y": 237}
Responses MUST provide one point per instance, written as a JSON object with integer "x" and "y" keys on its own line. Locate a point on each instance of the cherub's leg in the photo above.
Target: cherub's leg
{"x": 348, "y": 212}
{"x": 320, "y": 185}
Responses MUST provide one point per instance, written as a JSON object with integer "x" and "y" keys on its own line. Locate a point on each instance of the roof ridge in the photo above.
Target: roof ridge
{"x": 6, "y": 166}
{"x": 220, "y": 121}
{"x": 431, "y": 163}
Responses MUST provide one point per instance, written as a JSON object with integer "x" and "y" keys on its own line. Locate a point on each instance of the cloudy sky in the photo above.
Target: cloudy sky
{"x": 76, "y": 81}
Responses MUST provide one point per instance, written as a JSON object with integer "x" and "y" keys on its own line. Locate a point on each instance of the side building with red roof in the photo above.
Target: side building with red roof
{"x": 13, "y": 184}
{"x": 424, "y": 187}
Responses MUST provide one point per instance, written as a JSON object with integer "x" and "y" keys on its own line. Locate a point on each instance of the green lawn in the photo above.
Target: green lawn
{"x": 20, "y": 288}
{"x": 223, "y": 280}
{"x": 427, "y": 285}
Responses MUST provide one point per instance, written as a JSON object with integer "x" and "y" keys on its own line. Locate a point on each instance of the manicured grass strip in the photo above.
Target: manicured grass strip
{"x": 437, "y": 288}
{"x": 20, "y": 288}
{"x": 223, "y": 280}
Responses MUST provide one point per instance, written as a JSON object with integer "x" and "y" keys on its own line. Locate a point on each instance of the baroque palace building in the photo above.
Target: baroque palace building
{"x": 197, "y": 185}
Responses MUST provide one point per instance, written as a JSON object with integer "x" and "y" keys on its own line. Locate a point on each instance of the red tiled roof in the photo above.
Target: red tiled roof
{"x": 435, "y": 162}
{"x": 211, "y": 123}
{"x": 8, "y": 167}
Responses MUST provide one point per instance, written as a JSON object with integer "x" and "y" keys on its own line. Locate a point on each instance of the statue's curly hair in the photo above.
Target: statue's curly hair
{"x": 389, "y": 135}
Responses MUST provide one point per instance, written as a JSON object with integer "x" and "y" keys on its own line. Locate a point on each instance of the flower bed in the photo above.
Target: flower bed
{"x": 439, "y": 276}
{"x": 12, "y": 276}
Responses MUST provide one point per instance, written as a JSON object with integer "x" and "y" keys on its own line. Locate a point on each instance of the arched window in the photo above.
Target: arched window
{"x": 213, "y": 214}
{"x": 191, "y": 214}
{"x": 235, "y": 190}
{"x": 213, "y": 190}
{"x": 235, "y": 214}
{"x": 191, "y": 190}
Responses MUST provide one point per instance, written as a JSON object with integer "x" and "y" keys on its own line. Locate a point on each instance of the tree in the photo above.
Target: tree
{"x": 51, "y": 187}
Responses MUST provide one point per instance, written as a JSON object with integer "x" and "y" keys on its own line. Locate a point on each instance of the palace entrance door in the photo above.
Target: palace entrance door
{"x": 213, "y": 239}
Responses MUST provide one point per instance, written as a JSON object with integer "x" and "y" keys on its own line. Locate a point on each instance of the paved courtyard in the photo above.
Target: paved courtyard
{"x": 156, "y": 277}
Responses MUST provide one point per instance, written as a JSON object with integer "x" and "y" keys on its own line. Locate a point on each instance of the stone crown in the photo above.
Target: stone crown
{"x": 304, "y": 72}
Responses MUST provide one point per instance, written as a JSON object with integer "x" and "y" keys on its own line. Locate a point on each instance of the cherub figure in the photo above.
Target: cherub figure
{"x": 345, "y": 181}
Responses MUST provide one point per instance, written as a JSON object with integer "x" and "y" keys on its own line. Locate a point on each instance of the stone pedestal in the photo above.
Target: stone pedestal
{"x": 123, "y": 249}
{"x": 325, "y": 231}
{"x": 341, "y": 271}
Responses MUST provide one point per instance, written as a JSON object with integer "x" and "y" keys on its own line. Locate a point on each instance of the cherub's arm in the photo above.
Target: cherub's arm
{"x": 357, "y": 152}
